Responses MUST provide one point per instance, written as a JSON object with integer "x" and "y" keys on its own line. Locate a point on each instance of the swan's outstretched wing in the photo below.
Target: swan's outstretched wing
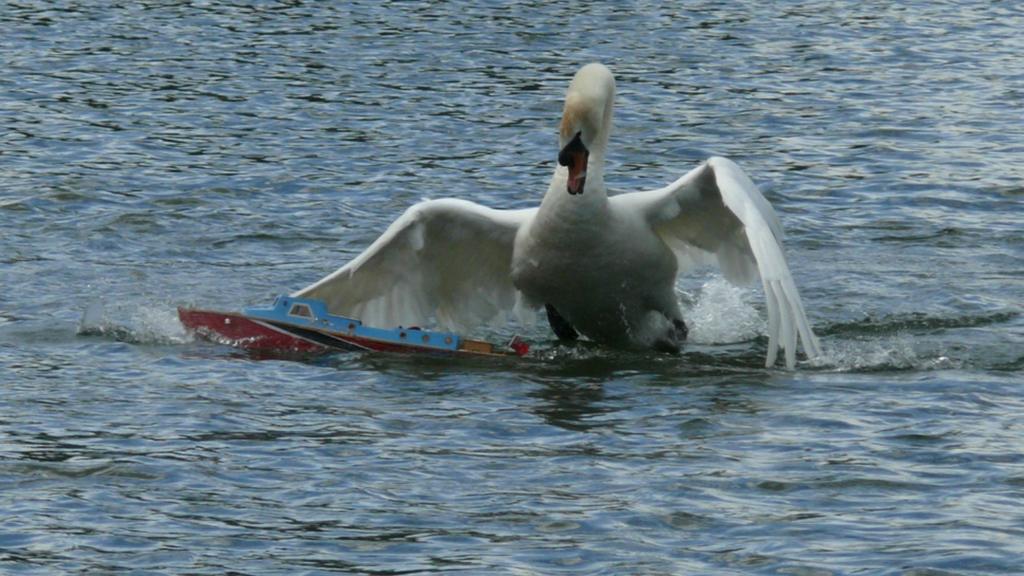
{"x": 716, "y": 214}
{"x": 446, "y": 260}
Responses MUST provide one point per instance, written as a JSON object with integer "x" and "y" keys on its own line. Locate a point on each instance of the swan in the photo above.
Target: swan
{"x": 599, "y": 265}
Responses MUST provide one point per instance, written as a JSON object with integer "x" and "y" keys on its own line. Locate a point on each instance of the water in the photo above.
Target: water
{"x": 217, "y": 153}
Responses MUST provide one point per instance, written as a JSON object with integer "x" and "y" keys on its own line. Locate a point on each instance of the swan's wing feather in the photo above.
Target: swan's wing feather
{"x": 444, "y": 260}
{"x": 715, "y": 213}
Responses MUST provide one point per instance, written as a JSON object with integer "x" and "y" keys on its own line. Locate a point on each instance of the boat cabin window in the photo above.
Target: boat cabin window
{"x": 300, "y": 310}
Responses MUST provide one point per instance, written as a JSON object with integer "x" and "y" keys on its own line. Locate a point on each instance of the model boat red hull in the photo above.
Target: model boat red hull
{"x": 238, "y": 331}
{"x": 298, "y": 325}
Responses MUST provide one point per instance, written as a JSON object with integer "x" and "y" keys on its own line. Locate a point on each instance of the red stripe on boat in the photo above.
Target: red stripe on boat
{"x": 237, "y": 330}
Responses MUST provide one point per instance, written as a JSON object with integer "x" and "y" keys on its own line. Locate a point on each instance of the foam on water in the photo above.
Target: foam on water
{"x": 137, "y": 325}
{"x": 888, "y": 353}
{"x": 723, "y": 314}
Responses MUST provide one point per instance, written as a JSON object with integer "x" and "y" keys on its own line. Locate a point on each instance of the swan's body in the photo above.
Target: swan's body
{"x": 604, "y": 266}
{"x": 604, "y": 269}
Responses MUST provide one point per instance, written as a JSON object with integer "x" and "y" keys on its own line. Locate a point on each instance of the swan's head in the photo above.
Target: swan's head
{"x": 586, "y": 122}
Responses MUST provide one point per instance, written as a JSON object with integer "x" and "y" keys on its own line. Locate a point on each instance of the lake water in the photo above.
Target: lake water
{"x": 157, "y": 154}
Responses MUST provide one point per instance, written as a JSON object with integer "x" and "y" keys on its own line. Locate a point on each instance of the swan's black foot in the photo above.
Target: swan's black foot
{"x": 672, "y": 343}
{"x": 667, "y": 346}
{"x": 560, "y": 325}
{"x": 681, "y": 330}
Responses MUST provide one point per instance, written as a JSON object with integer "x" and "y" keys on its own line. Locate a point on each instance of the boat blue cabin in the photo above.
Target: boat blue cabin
{"x": 312, "y": 314}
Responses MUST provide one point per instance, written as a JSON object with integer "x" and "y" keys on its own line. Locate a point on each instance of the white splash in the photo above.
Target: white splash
{"x": 138, "y": 325}
{"x": 723, "y": 314}
{"x": 898, "y": 352}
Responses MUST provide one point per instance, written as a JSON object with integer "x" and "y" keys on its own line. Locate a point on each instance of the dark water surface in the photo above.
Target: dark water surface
{"x": 154, "y": 154}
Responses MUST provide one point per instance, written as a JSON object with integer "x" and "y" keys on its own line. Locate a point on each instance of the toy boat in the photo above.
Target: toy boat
{"x": 303, "y": 325}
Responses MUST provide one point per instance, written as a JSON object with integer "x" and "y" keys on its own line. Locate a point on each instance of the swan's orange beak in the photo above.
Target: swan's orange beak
{"x": 574, "y": 155}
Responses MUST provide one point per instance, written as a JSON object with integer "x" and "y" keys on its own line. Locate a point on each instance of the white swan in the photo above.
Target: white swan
{"x": 603, "y": 266}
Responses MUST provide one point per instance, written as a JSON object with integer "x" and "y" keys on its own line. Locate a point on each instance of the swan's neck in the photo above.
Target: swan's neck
{"x": 583, "y": 139}
{"x": 594, "y": 188}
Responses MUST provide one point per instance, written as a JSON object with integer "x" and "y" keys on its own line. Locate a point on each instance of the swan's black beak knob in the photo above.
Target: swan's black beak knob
{"x": 574, "y": 155}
